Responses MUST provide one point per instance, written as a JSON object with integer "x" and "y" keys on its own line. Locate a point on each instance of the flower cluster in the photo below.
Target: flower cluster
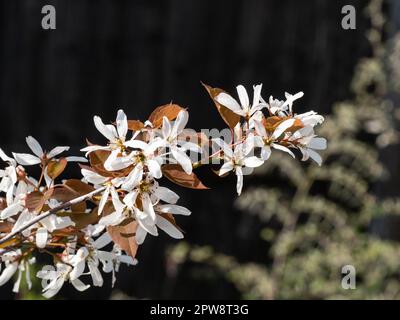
{"x": 256, "y": 132}
{"x": 102, "y": 218}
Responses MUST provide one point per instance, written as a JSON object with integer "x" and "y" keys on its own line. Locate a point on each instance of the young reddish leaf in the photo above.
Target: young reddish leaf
{"x": 271, "y": 123}
{"x": 3, "y": 203}
{"x": 63, "y": 194}
{"x": 6, "y": 227}
{"x": 79, "y": 186}
{"x": 175, "y": 173}
{"x": 56, "y": 167}
{"x": 297, "y": 125}
{"x": 97, "y": 160}
{"x": 230, "y": 118}
{"x": 82, "y": 219}
{"x": 169, "y": 110}
{"x": 35, "y": 200}
{"x": 135, "y": 125}
{"x": 71, "y": 189}
{"x": 124, "y": 236}
{"x": 79, "y": 207}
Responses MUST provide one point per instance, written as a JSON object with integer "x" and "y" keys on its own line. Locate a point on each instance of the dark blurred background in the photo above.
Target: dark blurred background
{"x": 136, "y": 55}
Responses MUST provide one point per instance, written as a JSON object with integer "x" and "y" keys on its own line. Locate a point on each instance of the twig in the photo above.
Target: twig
{"x": 50, "y": 212}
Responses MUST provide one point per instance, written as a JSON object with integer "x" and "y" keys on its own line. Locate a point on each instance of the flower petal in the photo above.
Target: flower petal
{"x": 105, "y": 130}
{"x": 166, "y": 128}
{"x": 41, "y": 237}
{"x": 136, "y": 144}
{"x": 227, "y": 101}
{"x": 102, "y": 241}
{"x": 166, "y": 195}
{"x": 253, "y": 162}
{"x": 56, "y": 151}
{"x": 243, "y": 96}
{"x": 55, "y": 287}
{"x": 317, "y": 144}
{"x": 76, "y": 159}
{"x": 96, "y": 275}
{"x": 257, "y": 95}
{"x": 282, "y": 128}
{"x": 8, "y": 272}
{"x": 239, "y": 184}
{"x": 265, "y": 152}
{"x": 115, "y": 163}
{"x": 282, "y": 148}
{"x": 10, "y": 211}
{"x": 169, "y": 228}
{"x": 122, "y": 124}
{"x": 79, "y": 285}
{"x": 134, "y": 178}
{"x": 140, "y": 235}
{"x": 103, "y": 200}
{"x": 112, "y": 219}
{"x": 315, "y": 156}
{"x": 35, "y": 146}
{"x": 148, "y": 206}
{"x": 174, "y": 209}
{"x": 182, "y": 159}
{"x": 226, "y": 167}
{"x": 93, "y": 177}
{"x": 26, "y": 159}
{"x": 154, "y": 169}
{"x": 180, "y": 123}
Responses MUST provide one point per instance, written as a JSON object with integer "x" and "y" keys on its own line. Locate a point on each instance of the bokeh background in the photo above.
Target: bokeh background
{"x": 296, "y": 225}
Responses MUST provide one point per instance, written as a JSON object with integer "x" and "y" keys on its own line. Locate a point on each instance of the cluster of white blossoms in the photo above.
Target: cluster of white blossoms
{"x": 121, "y": 196}
{"x": 280, "y": 129}
{"x": 143, "y": 200}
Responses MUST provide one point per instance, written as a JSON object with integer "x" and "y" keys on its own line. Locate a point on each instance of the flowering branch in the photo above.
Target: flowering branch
{"x": 44, "y": 215}
{"x": 120, "y": 199}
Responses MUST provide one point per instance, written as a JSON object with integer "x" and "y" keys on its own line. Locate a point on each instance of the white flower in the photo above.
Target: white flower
{"x": 93, "y": 256}
{"x": 54, "y": 278}
{"x": 238, "y": 160}
{"x": 178, "y": 147}
{"x": 307, "y": 142}
{"x": 144, "y": 156}
{"x": 8, "y": 177}
{"x": 115, "y": 135}
{"x": 16, "y": 205}
{"x": 310, "y": 118}
{"x": 39, "y": 155}
{"x": 98, "y": 180}
{"x": 11, "y": 263}
{"x": 283, "y": 108}
{"x": 24, "y": 266}
{"x": 162, "y": 223}
{"x": 43, "y": 227}
{"x": 266, "y": 140}
{"x": 150, "y": 194}
{"x": 244, "y": 109}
